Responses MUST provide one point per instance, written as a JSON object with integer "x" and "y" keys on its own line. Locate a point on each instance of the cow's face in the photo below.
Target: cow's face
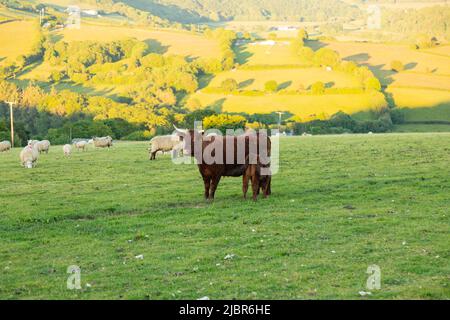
{"x": 188, "y": 139}
{"x": 29, "y": 164}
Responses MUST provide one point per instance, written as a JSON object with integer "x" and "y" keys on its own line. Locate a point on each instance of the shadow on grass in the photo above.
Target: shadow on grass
{"x": 284, "y": 85}
{"x": 242, "y": 55}
{"x": 156, "y": 47}
{"x": 217, "y": 106}
{"x": 246, "y": 83}
{"x": 358, "y": 58}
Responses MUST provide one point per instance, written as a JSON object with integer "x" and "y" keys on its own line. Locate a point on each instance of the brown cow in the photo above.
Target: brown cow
{"x": 224, "y": 156}
{"x": 259, "y": 181}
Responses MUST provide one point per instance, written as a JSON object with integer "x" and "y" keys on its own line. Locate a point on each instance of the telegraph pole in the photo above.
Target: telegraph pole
{"x": 11, "y": 115}
{"x": 279, "y": 121}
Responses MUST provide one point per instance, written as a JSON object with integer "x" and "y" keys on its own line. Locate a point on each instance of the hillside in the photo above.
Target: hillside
{"x": 422, "y": 89}
{"x": 188, "y": 11}
{"x": 151, "y": 76}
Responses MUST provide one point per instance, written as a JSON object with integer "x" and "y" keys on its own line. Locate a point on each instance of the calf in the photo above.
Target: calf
{"x": 259, "y": 181}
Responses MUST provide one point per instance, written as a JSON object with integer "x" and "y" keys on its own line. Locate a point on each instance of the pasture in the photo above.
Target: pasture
{"x": 378, "y": 56}
{"x": 290, "y": 79}
{"x": 17, "y": 37}
{"x": 303, "y": 105}
{"x": 161, "y": 41}
{"x": 257, "y": 54}
{"x": 339, "y": 204}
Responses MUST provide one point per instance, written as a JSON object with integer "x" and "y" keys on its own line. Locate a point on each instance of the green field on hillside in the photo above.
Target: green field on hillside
{"x": 339, "y": 204}
{"x": 17, "y": 38}
{"x": 304, "y": 105}
{"x": 258, "y": 54}
{"x": 289, "y": 79}
{"x": 160, "y": 41}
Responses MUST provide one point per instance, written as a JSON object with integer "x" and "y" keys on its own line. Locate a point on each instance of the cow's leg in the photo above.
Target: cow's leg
{"x": 264, "y": 186}
{"x": 245, "y": 185}
{"x": 214, "y": 183}
{"x": 207, "y": 183}
{"x": 153, "y": 156}
{"x": 255, "y": 186}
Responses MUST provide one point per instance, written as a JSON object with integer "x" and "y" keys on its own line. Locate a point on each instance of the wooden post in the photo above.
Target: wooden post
{"x": 279, "y": 120}
{"x": 11, "y": 116}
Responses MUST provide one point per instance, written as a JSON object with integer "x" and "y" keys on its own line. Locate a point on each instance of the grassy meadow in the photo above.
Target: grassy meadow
{"x": 289, "y": 79}
{"x": 339, "y": 204}
{"x": 160, "y": 41}
{"x": 425, "y": 82}
{"x": 278, "y": 54}
{"x": 305, "y": 106}
{"x": 17, "y": 38}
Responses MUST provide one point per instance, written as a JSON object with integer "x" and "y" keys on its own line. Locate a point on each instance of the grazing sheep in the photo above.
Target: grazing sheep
{"x": 104, "y": 142}
{"x": 42, "y": 146}
{"x": 81, "y": 145}
{"x": 32, "y": 142}
{"x": 5, "y": 146}
{"x": 164, "y": 143}
{"x": 67, "y": 149}
{"x": 29, "y": 156}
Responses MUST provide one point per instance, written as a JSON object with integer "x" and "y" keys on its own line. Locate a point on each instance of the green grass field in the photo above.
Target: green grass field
{"x": 290, "y": 79}
{"x": 278, "y": 54}
{"x": 17, "y": 38}
{"x": 339, "y": 204}
{"x": 305, "y": 106}
{"x": 160, "y": 41}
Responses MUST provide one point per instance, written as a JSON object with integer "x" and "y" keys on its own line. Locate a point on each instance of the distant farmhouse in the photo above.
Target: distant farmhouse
{"x": 93, "y": 13}
{"x": 284, "y": 28}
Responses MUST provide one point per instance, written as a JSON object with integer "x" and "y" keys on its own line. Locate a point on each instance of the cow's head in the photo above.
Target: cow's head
{"x": 189, "y": 138}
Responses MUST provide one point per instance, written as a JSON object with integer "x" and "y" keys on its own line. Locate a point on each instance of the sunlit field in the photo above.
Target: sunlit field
{"x": 301, "y": 105}
{"x": 170, "y": 42}
{"x": 289, "y": 79}
{"x": 380, "y": 56}
{"x": 16, "y": 38}
{"x": 278, "y": 54}
{"x": 339, "y": 204}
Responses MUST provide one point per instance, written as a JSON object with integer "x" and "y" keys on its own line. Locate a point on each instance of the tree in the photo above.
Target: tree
{"x": 223, "y": 122}
{"x": 271, "y": 86}
{"x": 302, "y": 34}
{"x": 397, "y": 66}
{"x": 306, "y": 54}
{"x": 327, "y": 57}
{"x": 229, "y": 85}
{"x": 372, "y": 83}
{"x": 193, "y": 104}
{"x": 424, "y": 41}
{"x": 318, "y": 88}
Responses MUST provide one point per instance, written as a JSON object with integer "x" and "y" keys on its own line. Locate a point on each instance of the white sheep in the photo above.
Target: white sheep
{"x": 67, "y": 149}
{"x": 81, "y": 145}
{"x": 42, "y": 146}
{"x": 32, "y": 142}
{"x": 5, "y": 146}
{"x": 29, "y": 156}
{"x": 104, "y": 142}
{"x": 164, "y": 143}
